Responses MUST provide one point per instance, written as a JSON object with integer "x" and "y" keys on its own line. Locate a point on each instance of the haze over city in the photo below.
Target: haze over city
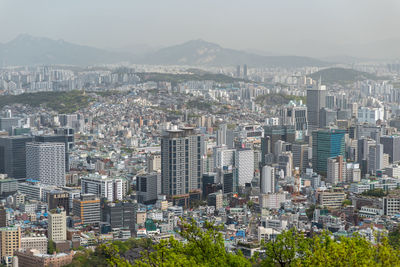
{"x": 359, "y": 28}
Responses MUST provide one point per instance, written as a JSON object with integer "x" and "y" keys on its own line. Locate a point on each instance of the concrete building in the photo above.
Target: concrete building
{"x": 267, "y": 183}
{"x": 34, "y": 258}
{"x": 154, "y": 163}
{"x": 272, "y": 201}
{"x": 57, "y": 225}
{"x": 87, "y": 208}
{"x": 244, "y": 162}
{"x": 300, "y": 156}
{"x": 391, "y": 146}
{"x": 181, "y": 162}
{"x": 120, "y": 215}
{"x": 375, "y": 158}
{"x": 10, "y": 238}
{"x": 8, "y": 186}
{"x": 103, "y": 186}
{"x": 35, "y": 242}
{"x": 56, "y": 199}
{"x": 336, "y": 170}
{"x": 46, "y": 162}
{"x": 331, "y": 199}
{"x": 148, "y": 187}
{"x": 370, "y": 115}
{"x": 215, "y": 199}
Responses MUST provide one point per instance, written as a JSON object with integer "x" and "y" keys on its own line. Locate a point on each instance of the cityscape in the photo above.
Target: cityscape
{"x": 194, "y": 153}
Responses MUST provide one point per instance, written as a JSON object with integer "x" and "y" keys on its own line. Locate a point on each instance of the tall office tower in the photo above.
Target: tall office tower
{"x": 300, "y": 156}
{"x": 87, "y": 208}
{"x": 221, "y": 135}
{"x": 13, "y": 156}
{"x": 230, "y": 180}
{"x": 285, "y": 133}
{"x": 148, "y": 187}
{"x": 7, "y": 124}
{"x": 330, "y": 101}
{"x": 267, "y": 183}
{"x": 223, "y": 157}
{"x": 230, "y": 138}
{"x": 375, "y": 158}
{"x": 391, "y": 146}
{"x": 103, "y": 186}
{"x": 336, "y": 170}
{"x": 285, "y": 163}
{"x": 327, "y": 117}
{"x": 316, "y": 99}
{"x": 153, "y": 163}
{"x": 295, "y": 115}
{"x": 244, "y": 162}
{"x": 61, "y": 135}
{"x": 181, "y": 166}
{"x": 57, "y": 227}
{"x": 120, "y": 215}
{"x": 10, "y": 238}
{"x": 326, "y": 144}
{"x": 245, "y": 71}
{"x": 57, "y": 199}
{"x": 46, "y": 162}
{"x": 354, "y": 109}
{"x": 238, "y": 72}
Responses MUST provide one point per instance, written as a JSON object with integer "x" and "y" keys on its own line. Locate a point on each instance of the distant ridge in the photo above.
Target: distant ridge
{"x": 29, "y": 50}
{"x": 343, "y": 76}
{"x": 199, "y": 52}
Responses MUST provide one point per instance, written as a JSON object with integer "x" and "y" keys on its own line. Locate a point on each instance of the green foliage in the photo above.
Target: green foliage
{"x": 200, "y": 104}
{"x": 346, "y": 202}
{"x": 343, "y": 76}
{"x": 51, "y": 247}
{"x": 394, "y": 238}
{"x": 62, "y": 102}
{"x": 379, "y": 192}
{"x": 310, "y": 212}
{"x": 292, "y": 249}
{"x": 278, "y": 99}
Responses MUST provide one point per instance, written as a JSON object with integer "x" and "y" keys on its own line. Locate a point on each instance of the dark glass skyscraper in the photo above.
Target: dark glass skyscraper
{"x": 13, "y": 156}
{"x": 326, "y": 144}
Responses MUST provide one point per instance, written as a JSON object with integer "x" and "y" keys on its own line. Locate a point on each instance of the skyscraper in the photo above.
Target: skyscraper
{"x": 326, "y": 144}
{"x": 13, "y": 156}
{"x": 336, "y": 170}
{"x": 267, "y": 183}
{"x": 221, "y": 135}
{"x": 244, "y": 162}
{"x": 316, "y": 99}
{"x": 391, "y": 146}
{"x": 181, "y": 161}
{"x": 245, "y": 71}
{"x": 46, "y": 162}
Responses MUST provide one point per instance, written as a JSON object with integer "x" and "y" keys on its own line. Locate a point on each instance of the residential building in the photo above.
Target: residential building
{"x": 57, "y": 225}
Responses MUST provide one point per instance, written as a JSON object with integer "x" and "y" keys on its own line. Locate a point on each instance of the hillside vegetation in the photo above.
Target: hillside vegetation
{"x": 62, "y": 102}
{"x": 205, "y": 247}
{"x": 277, "y": 99}
{"x": 343, "y": 76}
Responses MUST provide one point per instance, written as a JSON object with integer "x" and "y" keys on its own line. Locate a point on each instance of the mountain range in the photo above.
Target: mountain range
{"x": 29, "y": 50}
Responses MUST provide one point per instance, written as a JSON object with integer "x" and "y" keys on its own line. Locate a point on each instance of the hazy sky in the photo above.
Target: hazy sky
{"x": 278, "y": 26}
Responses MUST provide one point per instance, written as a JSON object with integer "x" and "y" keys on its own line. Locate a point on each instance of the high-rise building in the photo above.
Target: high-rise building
{"x": 336, "y": 170}
{"x": 3, "y": 216}
{"x": 245, "y": 71}
{"x": 316, "y": 100}
{"x": 267, "y": 183}
{"x": 57, "y": 226}
{"x": 87, "y": 208}
{"x": 295, "y": 115}
{"x": 10, "y": 238}
{"x": 391, "y": 146}
{"x": 13, "y": 156}
{"x": 238, "y": 72}
{"x": 230, "y": 180}
{"x": 57, "y": 199}
{"x": 153, "y": 163}
{"x": 285, "y": 163}
{"x": 221, "y": 135}
{"x": 244, "y": 163}
{"x": 103, "y": 186}
{"x": 274, "y": 133}
{"x": 181, "y": 161}
{"x": 326, "y": 144}
{"x": 300, "y": 156}
{"x": 375, "y": 158}
{"x": 46, "y": 162}
{"x": 61, "y": 135}
{"x": 120, "y": 215}
{"x": 148, "y": 187}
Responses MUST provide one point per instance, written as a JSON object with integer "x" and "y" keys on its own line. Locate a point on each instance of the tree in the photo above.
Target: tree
{"x": 51, "y": 247}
